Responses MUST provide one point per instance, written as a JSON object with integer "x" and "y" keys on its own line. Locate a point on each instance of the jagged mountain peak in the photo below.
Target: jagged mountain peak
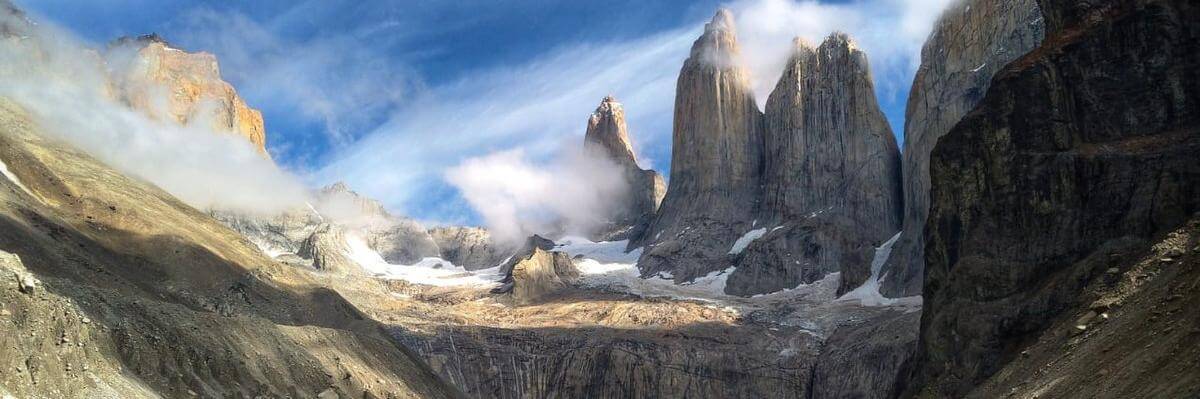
{"x": 606, "y": 131}
{"x": 718, "y": 46}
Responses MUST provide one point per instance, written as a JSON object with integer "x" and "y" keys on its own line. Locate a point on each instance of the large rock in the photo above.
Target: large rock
{"x": 171, "y": 84}
{"x": 802, "y": 252}
{"x": 1080, "y": 152}
{"x": 540, "y": 274}
{"x": 470, "y": 247}
{"x": 608, "y": 137}
{"x": 715, "y": 160}
{"x": 972, "y": 40}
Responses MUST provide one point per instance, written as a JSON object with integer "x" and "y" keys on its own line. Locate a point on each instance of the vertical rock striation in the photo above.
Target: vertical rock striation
{"x": 167, "y": 83}
{"x": 828, "y": 146}
{"x": 608, "y": 137}
{"x": 831, "y": 174}
{"x": 971, "y": 42}
{"x": 1081, "y": 152}
{"x": 715, "y": 161}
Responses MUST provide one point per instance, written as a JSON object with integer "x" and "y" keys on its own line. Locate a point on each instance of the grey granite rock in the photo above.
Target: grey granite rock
{"x": 972, "y": 41}
{"x": 1082, "y": 150}
{"x": 716, "y": 158}
{"x": 828, "y": 147}
{"x": 831, "y": 180}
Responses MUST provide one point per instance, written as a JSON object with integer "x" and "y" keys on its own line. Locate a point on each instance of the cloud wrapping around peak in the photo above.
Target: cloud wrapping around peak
{"x": 68, "y": 90}
{"x": 890, "y": 32}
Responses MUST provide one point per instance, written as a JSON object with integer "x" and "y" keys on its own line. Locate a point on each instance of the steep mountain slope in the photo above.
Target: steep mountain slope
{"x": 972, "y": 40}
{"x": 175, "y": 301}
{"x": 1081, "y": 155}
{"x": 608, "y": 137}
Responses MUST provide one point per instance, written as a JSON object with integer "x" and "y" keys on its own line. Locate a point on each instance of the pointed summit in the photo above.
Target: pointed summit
{"x": 607, "y": 133}
{"x": 716, "y": 155}
{"x": 608, "y": 137}
{"x": 718, "y": 45}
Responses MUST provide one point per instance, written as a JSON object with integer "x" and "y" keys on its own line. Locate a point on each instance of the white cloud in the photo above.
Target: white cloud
{"x": 516, "y": 197}
{"x": 891, "y": 32}
{"x": 338, "y": 79}
{"x": 66, "y": 88}
{"x": 534, "y": 106}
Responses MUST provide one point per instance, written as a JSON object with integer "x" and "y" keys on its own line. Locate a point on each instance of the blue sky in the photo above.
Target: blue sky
{"x": 388, "y": 95}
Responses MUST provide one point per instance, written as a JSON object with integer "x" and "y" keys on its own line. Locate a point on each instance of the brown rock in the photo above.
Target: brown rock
{"x": 189, "y": 83}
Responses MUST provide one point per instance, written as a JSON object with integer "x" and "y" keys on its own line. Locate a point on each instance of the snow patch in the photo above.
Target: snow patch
{"x": 604, "y": 251}
{"x": 13, "y": 178}
{"x": 428, "y": 271}
{"x": 745, "y": 240}
{"x": 979, "y": 67}
{"x": 868, "y": 294}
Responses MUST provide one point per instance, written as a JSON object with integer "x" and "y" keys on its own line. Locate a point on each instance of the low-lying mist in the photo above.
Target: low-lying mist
{"x": 67, "y": 87}
{"x": 572, "y": 194}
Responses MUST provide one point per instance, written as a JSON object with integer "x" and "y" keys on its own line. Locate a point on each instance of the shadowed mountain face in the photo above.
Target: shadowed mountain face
{"x": 1081, "y": 155}
{"x": 972, "y": 40}
{"x": 171, "y": 296}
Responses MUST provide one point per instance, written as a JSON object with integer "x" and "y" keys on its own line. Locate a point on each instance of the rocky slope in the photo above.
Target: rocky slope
{"x": 1079, "y": 157}
{"x": 972, "y": 40}
{"x": 716, "y": 158}
{"x": 608, "y": 137}
{"x": 158, "y": 298}
{"x": 167, "y": 83}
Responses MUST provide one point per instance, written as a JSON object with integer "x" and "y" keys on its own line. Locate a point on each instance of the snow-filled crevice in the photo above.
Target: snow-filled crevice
{"x": 868, "y": 293}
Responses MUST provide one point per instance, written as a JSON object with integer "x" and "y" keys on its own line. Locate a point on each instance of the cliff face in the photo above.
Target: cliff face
{"x": 716, "y": 157}
{"x": 828, "y": 146}
{"x": 972, "y": 40}
{"x": 172, "y": 84}
{"x": 608, "y": 137}
{"x": 831, "y": 181}
{"x": 1079, "y": 154}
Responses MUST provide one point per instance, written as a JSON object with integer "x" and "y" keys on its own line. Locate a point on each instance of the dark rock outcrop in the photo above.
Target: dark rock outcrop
{"x": 716, "y": 158}
{"x": 866, "y": 360}
{"x": 1080, "y": 152}
{"x": 608, "y": 137}
{"x": 972, "y": 40}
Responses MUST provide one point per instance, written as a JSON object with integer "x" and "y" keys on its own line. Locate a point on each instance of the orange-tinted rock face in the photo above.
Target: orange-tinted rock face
{"x": 168, "y": 83}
